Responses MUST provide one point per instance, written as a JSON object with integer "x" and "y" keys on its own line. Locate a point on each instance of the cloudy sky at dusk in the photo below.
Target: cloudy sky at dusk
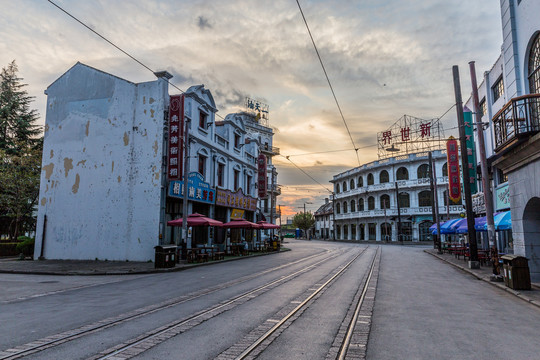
{"x": 385, "y": 58}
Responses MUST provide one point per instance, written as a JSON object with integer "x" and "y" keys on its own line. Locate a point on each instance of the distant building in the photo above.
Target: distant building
{"x": 366, "y": 205}
{"x": 324, "y": 222}
{"x": 510, "y": 106}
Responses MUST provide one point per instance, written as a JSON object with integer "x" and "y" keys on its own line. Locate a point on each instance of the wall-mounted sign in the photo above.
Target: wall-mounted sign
{"x": 198, "y": 190}
{"x": 257, "y": 107}
{"x": 176, "y": 137}
{"x": 454, "y": 186}
{"x": 235, "y": 200}
{"x": 478, "y": 203}
{"x": 262, "y": 181}
{"x": 471, "y": 150}
{"x": 502, "y": 197}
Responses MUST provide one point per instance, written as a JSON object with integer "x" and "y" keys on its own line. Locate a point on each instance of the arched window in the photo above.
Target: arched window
{"x": 344, "y": 186}
{"x": 445, "y": 169}
{"x": 402, "y": 174}
{"x": 338, "y": 232}
{"x": 351, "y": 184}
{"x": 534, "y": 66}
{"x": 423, "y": 171}
{"x": 338, "y": 208}
{"x": 337, "y": 188}
{"x": 360, "y": 204}
{"x": 385, "y": 201}
{"x": 345, "y": 232}
{"x": 371, "y": 203}
{"x": 360, "y": 181}
{"x": 345, "y": 207}
{"x": 353, "y": 206}
{"x": 361, "y": 230}
{"x": 370, "y": 179}
{"x": 384, "y": 177}
{"x": 404, "y": 200}
{"x": 353, "y": 232}
{"x": 424, "y": 198}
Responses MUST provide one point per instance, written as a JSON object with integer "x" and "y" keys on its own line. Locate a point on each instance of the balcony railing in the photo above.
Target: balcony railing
{"x": 270, "y": 149}
{"x": 517, "y": 120}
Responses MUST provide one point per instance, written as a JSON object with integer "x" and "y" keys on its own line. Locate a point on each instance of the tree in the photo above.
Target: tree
{"x": 18, "y": 127}
{"x": 20, "y": 155}
{"x": 304, "y": 221}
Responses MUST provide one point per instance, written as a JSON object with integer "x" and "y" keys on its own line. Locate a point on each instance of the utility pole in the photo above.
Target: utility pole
{"x": 473, "y": 250}
{"x": 333, "y": 216}
{"x": 434, "y": 201}
{"x": 186, "y": 242}
{"x": 398, "y": 214}
{"x": 488, "y": 198}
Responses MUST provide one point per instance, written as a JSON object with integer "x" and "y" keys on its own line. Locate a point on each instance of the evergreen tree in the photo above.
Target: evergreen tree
{"x": 18, "y": 126}
{"x": 304, "y": 221}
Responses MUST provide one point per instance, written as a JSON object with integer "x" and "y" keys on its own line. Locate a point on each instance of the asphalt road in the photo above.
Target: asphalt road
{"x": 424, "y": 309}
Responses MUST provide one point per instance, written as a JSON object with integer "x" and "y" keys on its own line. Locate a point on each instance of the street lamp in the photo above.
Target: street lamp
{"x": 395, "y": 149}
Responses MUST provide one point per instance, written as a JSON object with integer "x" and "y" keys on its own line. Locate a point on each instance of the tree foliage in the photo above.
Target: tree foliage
{"x": 20, "y": 155}
{"x": 304, "y": 220}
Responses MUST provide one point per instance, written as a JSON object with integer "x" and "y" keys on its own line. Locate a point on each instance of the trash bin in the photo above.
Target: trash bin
{"x": 516, "y": 272}
{"x": 165, "y": 256}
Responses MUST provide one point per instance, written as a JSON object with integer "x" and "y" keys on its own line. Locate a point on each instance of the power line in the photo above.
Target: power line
{"x": 328, "y": 80}
{"x": 302, "y": 170}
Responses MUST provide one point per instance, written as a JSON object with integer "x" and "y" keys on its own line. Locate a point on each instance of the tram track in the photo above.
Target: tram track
{"x": 61, "y": 338}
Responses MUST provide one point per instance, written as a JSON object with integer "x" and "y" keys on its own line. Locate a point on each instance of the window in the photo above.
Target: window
{"x": 502, "y": 177}
{"x": 345, "y": 207}
{"x": 337, "y": 188}
{"x": 351, "y": 184}
{"x": 424, "y": 198}
{"x": 384, "y": 177}
{"x": 236, "y": 179}
{"x": 345, "y": 232}
{"x": 338, "y": 208}
{"x": 360, "y": 204}
{"x": 534, "y": 66}
{"x": 370, "y": 179}
{"x": 402, "y": 174}
{"x": 237, "y": 139}
{"x": 360, "y": 181}
{"x": 353, "y": 232}
{"x": 423, "y": 171}
{"x": 498, "y": 89}
{"x": 361, "y": 230}
{"x": 371, "y": 203}
{"x": 404, "y": 200}
{"x": 353, "y": 206}
{"x": 202, "y": 120}
{"x": 338, "y": 232}
{"x": 483, "y": 107}
{"x": 385, "y": 201}
{"x": 248, "y": 184}
{"x": 202, "y": 164}
{"x": 344, "y": 186}
{"x": 372, "y": 230}
{"x": 220, "y": 174}
{"x": 445, "y": 169}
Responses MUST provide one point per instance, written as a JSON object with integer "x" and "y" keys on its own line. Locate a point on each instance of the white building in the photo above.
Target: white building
{"x": 366, "y": 206}
{"x": 105, "y": 191}
{"x": 324, "y": 220}
{"x": 510, "y": 103}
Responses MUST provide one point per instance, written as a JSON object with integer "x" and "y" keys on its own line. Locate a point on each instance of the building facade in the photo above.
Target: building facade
{"x": 110, "y": 181}
{"x": 366, "y": 205}
{"x": 324, "y": 221}
{"x": 510, "y": 107}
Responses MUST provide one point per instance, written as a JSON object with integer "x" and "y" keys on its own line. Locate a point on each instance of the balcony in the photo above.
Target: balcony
{"x": 270, "y": 150}
{"x": 518, "y": 120}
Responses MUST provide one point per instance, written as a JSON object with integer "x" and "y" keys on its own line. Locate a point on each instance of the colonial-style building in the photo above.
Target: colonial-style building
{"x": 324, "y": 221}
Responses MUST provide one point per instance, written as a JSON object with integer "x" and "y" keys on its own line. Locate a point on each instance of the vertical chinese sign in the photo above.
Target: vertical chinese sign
{"x": 471, "y": 150}
{"x": 176, "y": 137}
{"x": 454, "y": 187}
{"x": 261, "y": 176}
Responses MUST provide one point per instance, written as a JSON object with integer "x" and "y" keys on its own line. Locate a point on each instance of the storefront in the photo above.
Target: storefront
{"x": 235, "y": 205}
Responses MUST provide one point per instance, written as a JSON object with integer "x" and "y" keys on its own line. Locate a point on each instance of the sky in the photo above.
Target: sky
{"x": 384, "y": 58}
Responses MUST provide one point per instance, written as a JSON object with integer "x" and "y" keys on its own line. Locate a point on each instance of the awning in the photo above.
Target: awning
{"x": 503, "y": 221}
{"x": 447, "y": 227}
{"x": 479, "y": 223}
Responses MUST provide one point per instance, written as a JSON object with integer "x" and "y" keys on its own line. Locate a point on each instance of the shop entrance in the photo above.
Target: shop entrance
{"x": 531, "y": 236}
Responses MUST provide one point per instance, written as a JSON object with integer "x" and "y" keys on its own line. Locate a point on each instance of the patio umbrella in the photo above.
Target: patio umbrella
{"x": 241, "y": 224}
{"x": 447, "y": 227}
{"x": 503, "y": 221}
{"x": 267, "y": 225}
{"x": 462, "y": 228}
{"x": 196, "y": 219}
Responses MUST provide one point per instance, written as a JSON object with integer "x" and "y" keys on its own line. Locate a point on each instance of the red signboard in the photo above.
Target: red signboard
{"x": 235, "y": 200}
{"x": 261, "y": 176}
{"x": 176, "y": 137}
{"x": 454, "y": 186}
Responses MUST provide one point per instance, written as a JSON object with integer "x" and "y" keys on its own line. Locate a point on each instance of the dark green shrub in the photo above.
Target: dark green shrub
{"x": 26, "y": 247}
{"x": 8, "y": 249}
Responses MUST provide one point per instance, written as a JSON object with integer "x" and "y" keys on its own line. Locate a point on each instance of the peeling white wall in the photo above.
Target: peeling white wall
{"x": 101, "y": 178}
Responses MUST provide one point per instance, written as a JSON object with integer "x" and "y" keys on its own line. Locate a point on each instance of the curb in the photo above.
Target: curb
{"x": 496, "y": 284}
{"x": 135, "y": 272}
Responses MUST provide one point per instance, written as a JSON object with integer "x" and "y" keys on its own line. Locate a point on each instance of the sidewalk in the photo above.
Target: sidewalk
{"x": 484, "y": 273}
{"x": 91, "y": 267}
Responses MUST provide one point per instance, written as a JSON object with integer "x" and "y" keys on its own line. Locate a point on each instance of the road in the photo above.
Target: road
{"x": 319, "y": 301}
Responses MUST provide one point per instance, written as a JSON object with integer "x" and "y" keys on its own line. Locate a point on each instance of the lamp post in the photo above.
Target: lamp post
{"x": 395, "y": 149}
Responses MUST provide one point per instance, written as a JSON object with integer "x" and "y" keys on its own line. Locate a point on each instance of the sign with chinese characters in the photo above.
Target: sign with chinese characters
{"x": 452, "y": 154}
{"x": 502, "y": 197}
{"x": 471, "y": 150}
{"x": 236, "y": 199}
{"x": 410, "y": 135}
{"x": 198, "y": 190}
{"x": 257, "y": 107}
{"x": 176, "y": 137}
{"x": 478, "y": 203}
{"x": 262, "y": 182}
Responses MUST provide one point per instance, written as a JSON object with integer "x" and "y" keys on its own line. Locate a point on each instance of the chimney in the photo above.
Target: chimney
{"x": 326, "y": 200}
